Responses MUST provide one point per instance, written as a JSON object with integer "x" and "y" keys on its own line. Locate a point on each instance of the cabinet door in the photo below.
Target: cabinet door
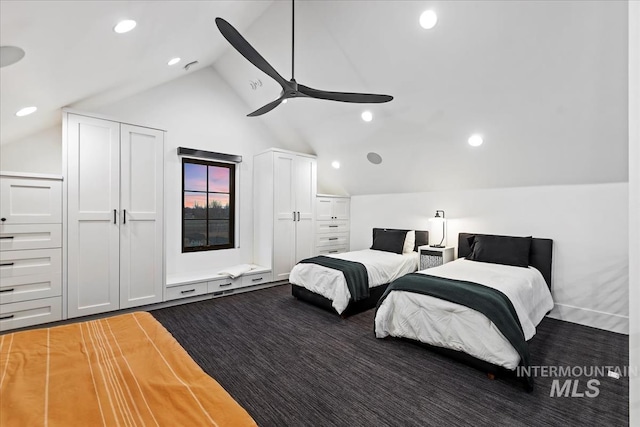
{"x": 324, "y": 209}
{"x": 305, "y": 180}
{"x": 341, "y": 208}
{"x": 93, "y": 152}
{"x": 284, "y": 243}
{"x": 30, "y": 201}
{"x": 141, "y": 208}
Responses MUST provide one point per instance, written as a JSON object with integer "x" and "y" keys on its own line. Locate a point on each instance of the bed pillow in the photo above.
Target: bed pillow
{"x": 409, "y": 242}
{"x": 389, "y": 240}
{"x": 500, "y": 250}
{"x": 422, "y": 239}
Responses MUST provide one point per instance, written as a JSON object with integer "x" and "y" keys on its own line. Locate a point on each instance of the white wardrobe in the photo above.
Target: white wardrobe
{"x": 114, "y": 214}
{"x": 284, "y": 209}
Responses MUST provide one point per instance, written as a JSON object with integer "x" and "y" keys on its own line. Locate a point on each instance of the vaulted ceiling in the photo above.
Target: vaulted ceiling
{"x": 545, "y": 83}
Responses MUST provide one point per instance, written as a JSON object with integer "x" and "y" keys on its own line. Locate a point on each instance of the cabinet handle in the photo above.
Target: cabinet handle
{"x": 7, "y": 317}
{"x": 6, "y": 264}
{"x": 294, "y": 215}
{"x": 7, "y": 290}
{"x": 333, "y": 226}
{"x": 115, "y": 212}
{"x": 188, "y": 291}
{"x": 333, "y": 252}
{"x": 3, "y": 219}
{"x": 225, "y": 284}
{"x": 298, "y": 216}
{"x": 124, "y": 217}
{"x": 6, "y": 237}
{"x": 257, "y": 279}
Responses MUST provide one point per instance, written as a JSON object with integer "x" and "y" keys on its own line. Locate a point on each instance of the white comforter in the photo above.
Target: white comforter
{"x": 382, "y": 267}
{"x": 445, "y": 324}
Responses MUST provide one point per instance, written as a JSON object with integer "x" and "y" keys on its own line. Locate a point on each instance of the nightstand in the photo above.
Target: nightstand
{"x": 433, "y": 257}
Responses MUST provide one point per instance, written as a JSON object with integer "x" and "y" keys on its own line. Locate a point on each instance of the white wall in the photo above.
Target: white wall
{"x": 588, "y": 224}
{"x": 39, "y": 153}
{"x": 199, "y": 111}
{"x": 634, "y": 208}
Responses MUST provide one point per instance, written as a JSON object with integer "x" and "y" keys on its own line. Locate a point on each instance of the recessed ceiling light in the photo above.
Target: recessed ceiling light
{"x": 475, "y": 140}
{"x": 26, "y": 111}
{"x": 125, "y": 26}
{"x": 173, "y": 61}
{"x": 335, "y": 164}
{"x": 428, "y": 19}
{"x": 367, "y": 116}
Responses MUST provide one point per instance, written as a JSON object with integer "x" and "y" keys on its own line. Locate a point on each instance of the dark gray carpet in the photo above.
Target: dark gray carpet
{"x": 291, "y": 364}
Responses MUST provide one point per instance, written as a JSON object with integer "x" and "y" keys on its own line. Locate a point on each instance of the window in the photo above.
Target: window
{"x": 208, "y": 207}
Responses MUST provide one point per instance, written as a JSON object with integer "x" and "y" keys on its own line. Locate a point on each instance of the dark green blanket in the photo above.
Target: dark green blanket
{"x": 354, "y": 273}
{"x": 488, "y": 301}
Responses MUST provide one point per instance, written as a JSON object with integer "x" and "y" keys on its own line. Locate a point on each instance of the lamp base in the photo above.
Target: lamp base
{"x": 437, "y": 246}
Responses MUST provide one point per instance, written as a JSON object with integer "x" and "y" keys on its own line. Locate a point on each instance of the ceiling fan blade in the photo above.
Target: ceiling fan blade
{"x": 365, "y": 98}
{"x": 241, "y": 45}
{"x": 266, "y": 108}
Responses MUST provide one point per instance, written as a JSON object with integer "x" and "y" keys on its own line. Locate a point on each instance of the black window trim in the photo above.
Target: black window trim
{"x": 232, "y": 206}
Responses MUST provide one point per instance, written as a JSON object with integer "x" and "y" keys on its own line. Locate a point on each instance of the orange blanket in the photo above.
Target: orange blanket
{"x": 120, "y": 371}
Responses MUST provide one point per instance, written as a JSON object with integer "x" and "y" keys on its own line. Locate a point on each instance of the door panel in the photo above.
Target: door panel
{"x": 284, "y": 225}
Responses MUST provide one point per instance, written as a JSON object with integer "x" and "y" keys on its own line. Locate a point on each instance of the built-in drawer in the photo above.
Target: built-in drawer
{"x": 22, "y": 267}
{"x": 256, "y": 279}
{"x": 30, "y": 236}
{"x": 333, "y": 227}
{"x": 224, "y": 284}
{"x": 29, "y": 313}
{"x": 332, "y": 239}
{"x": 329, "y": 250}
{"x": 24, "y": 288}
{"x": 184, "y": 291}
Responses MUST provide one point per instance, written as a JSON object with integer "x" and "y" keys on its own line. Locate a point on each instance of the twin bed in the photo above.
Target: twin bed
{"x": 481, "y": 308}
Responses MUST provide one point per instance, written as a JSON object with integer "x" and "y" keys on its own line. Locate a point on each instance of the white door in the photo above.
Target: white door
{"x": 141, "y": 207}
{"x": 341, "y": 208}
{"x": 30, "y": 201}
{"x": 93, "y": 215}
{"x": 324, "y": 210}
{"x": 284, "y": 243}
{"x": 305, "y": 196}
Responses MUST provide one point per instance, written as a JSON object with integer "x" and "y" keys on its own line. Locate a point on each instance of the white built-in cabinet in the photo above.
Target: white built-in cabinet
{"x": 332, "y": 224}
{"x": 30, "y": 249}
{"x": 284, "y": 209}
{"x": 114, "y": 214}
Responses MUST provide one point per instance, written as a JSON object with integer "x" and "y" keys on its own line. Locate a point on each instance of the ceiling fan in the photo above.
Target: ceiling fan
{"x": 290, "y": 88}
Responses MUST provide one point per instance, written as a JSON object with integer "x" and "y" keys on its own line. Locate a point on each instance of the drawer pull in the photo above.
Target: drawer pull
{"x": 188, "y": 291}
{"x": 4, "y": 264}
{"x": 257, "y": 279}
{"x": 333, "y": 238}
{"x": 7, "y": 317}
{"x": 333, "y": 252}
{"x": 6, "y": 237}
{"x": 222, "y": 285}
{"x": 7, "y": 290}
{"x": 333, "y": 226}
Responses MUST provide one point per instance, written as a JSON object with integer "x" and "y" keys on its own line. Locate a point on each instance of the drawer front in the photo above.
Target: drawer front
{"x": 224, "y": 284}
{"x": 331, "y": 250}
{"x": 24, "y": 288}
{"x": 323, "y": 227}
{"x": 184, "y": 291}
{"x": 29, "y": 313}
{"x": 30, "y": 266}
{"x": 30, "y": 236}
{"x": 256, "y": 279}
{"x": 332, "y": 239}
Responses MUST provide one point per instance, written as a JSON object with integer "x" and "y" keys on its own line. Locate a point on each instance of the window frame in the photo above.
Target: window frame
{"x": 232, "y": 205}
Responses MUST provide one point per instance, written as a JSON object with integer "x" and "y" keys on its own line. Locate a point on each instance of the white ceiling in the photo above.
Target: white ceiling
{"x": 544, "y": 82}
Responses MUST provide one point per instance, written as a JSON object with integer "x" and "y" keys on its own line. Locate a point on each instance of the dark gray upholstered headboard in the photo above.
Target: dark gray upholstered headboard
{"x": 422, "y": 237}
{"x": 540, "y": 255}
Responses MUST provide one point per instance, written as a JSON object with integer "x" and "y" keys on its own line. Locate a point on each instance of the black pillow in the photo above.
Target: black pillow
{"x": 500, "y": 250}
{"x": 388, "y": 240}
{"x": 422, "y": 239}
